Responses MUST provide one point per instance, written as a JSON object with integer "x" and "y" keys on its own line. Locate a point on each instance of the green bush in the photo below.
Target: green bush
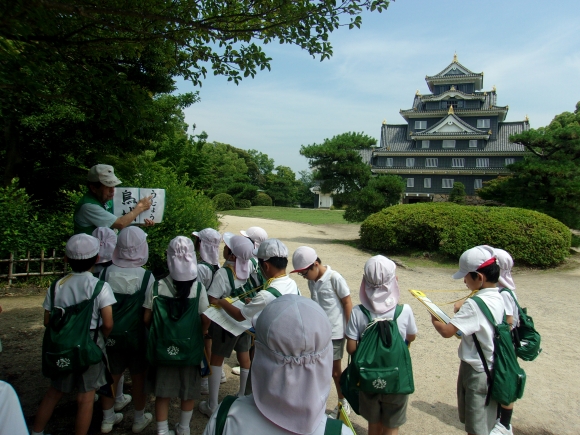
{"x": 243, "y": 203}
{"x": 262, "y": 199}
{"x": 223, "y": 201}
{"x": 532, "y": 238}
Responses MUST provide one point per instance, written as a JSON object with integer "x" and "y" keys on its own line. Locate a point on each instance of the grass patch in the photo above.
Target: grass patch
{"x": 302, "y": 215}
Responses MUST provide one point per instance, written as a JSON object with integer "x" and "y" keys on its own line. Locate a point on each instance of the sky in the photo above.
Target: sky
{"x": 530, "y": 50}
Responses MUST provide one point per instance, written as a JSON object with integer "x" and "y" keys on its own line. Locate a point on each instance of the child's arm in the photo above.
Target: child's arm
{"x": 147, "y": 316}
{"x": 457, "y": 306}
{"x": 205, "y": 323}
{"x": 347, "y": 307}
{"x": 46, "y": 317}
{"x": 351, "y": 345}
{"x": 510, "y": 320}
{"x": 233, "y": 312}
{"x": 107, "y": 316}
{"x": 446, "y": 330}
{"x": 410, "y": 337}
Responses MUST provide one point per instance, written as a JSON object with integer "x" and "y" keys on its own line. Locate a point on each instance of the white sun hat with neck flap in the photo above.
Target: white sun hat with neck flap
{"x": 181, "y": 259}
{"x": 256, "y": 235}
{"x": 209, "y": 245}
{"x": 242, "y": 248}
{"x": 132, "y": 249}
{"x": 379, "y": 289}
{"x": 108, "y": 241}
{"x": 82, "y": 247}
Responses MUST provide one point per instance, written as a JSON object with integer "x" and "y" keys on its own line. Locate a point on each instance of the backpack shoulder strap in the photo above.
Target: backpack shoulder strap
{"x": 222, "y": 415}
{"x": 156, "y": 289}
{"x": 333, "y": 427}
{"x": 103, "y": 273}
{"x": 52, "y": 290}
{"x": 198, "y": 290}
{"x": 483, "y": 307}
{"x": 366, "y": 312}
{"x": 274, "y": 292}
{"x": 145, "y": 281}
{"x": 505, "y": 289}
{"x": 231, "y": 277}
{"x": 398, "y": 311}
{"x": 97, "y": 290}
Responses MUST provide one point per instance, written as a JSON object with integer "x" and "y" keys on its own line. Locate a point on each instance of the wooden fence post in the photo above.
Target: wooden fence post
{"x": 10, "y": 268}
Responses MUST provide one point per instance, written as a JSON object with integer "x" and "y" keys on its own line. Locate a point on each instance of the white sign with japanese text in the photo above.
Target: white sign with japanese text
{"x": 126, "y": 198}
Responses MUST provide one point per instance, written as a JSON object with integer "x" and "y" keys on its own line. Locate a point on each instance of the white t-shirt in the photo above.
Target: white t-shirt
{"x": 470, "y": 320}
{"x": 11, "y": 417}
{"x": 244, "y": 417}
{"x": 285, "y": 285}
{"x": 328, "y": 292}
{"x": 220, "y": 287}
{"x": 78, "y": 287}
{"x": 511, "y": 309}
{"x": 126, "y": 280}
{"x": 205, "y": 275}
{"x": 358, "y": 322}
{"x": 163, "y": 290}
{"x": 92, "y": 214}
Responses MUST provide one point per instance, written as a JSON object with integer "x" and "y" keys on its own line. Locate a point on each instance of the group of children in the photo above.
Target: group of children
{"x": 294, "y": 352}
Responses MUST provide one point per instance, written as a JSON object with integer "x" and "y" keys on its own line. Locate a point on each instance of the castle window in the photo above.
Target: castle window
{"x": 483, "y": 123}
{"x": 481, "y": 163}
{"x": 424, "y": 144}
{"x": 477, "y": 183}
{"x": 420, "y": 125}
{"x": 473, "y": 143}
{"x": 448, "y": 144}
{"x": 410, "y": 162}
{"x": 509, "y": 161}
{"x": 431, "y": 163}
{"x": 458, "y": 163}
{"x": 427, "y": 183}
{"x": 410, "y": 182}
{"x": 389, "y": 161}
{"x": 447, "y": 183}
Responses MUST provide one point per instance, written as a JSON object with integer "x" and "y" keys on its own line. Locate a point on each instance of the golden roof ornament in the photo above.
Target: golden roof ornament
{"x": 527, "y": 119}
{"x": 485, "y": 94}
{"x": 384, "y": 122}
{"x": 450, "y": 112}
{"x": 489, "y": 131}
{"x": 452, "y": 88}
{"x": 417, "y": 93}
{"x": 455, "y": 57}
{"x": 494, "y": 89}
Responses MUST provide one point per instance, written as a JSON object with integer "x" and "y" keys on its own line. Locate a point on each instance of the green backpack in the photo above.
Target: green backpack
{"x": 67, "y": 346}
{"x": 333, "y": 427}
{"x": 250, "y": 284}
{"x": 526, "y": 339}
{"x": 175, "y": 337}
{"x": 128, "y": 330}
{"x": 382, "y": 363}
{"x": 507, "y": 380}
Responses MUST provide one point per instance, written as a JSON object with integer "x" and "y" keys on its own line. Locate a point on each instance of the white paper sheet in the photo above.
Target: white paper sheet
{"x": 223, "y": 319}
{"x": 126, "y": 199}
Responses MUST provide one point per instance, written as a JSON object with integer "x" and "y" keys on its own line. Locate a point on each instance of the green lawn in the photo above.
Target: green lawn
{"x": 302, "y": 215}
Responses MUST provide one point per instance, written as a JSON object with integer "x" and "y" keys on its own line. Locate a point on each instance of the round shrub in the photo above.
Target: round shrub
{"x": 262, "y": 199}
{"x": 531, "y": 237}
{"x": 243, "y": 203}
{"x": 223, "y": 201}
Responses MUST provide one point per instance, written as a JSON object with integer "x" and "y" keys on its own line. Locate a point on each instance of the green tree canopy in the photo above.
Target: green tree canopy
{"x": 457, "y": 194}
{"x": 380, "y": 192}
{"x": 548, "y": 179}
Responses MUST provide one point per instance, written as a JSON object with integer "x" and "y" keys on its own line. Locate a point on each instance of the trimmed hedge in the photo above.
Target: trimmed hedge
{"x": 531, "y": 237}
{"x": 262, "y": 199}
{"x": 243, "y": 203}
{"x": 223, "y": 201}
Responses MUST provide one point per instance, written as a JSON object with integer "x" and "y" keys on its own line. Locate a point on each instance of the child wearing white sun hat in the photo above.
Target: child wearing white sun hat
{"x": 108, "y": 240}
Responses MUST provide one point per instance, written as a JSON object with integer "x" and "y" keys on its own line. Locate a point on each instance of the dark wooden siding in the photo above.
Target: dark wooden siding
{"x": 437, "y": 181}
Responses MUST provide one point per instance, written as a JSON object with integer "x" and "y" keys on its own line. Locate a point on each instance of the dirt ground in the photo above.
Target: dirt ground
{"x": 550, "y": 406}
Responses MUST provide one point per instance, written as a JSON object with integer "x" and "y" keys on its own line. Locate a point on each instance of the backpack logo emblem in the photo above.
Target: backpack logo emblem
{"x": 110, "y": 342}
{"x": 63, "y": 362}
{"x": 172, "y": 350}
{"x": 379, "y": 384}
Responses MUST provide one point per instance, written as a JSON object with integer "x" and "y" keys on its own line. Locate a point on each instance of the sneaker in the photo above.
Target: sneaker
{"x": 107, "y": 426}
{"x": 121, "y": 402}
{"x": 204, "y": 386}
{"x": 96, "y": 397}
{"x": 138, "y": 426}
{"x": 236, "y": 371}
{"x": 224, "y": 379}
{"x": 345, "y": 406}
{"x": 204, "y": 408}
{"x": 179, "y": 430}
{"x": 499, "y": 429}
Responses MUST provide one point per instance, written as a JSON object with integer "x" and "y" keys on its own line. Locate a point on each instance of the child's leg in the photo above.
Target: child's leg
{"x": 85, "y": 403}
{"x": 244, "y": 360}
{"x": 46, "y": 408}
{"x": 109, "y": 402}
{"x": 336, "y": 372}
{"x": 185, "y": 418}
{"x": 216, "y": 364}
{"x": 505, "y": 415}
{"x": 375, "y": 428}
{"x": 161, "y": 409}
{"x": 139, "y": 398}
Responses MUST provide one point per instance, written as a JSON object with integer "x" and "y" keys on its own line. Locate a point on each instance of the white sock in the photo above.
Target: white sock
{"x": 243, "y": 380}
{"x": 36, "y": 433}
{"x": 109, "y": 414}
{"x": 204, "y": 381}
{"x": 162, "y": 427}
{"x": 185, "y": 419}
{"x": 214, "y": 386}
{"x": 119, "y": 396}
{"x": 139, "y": 415}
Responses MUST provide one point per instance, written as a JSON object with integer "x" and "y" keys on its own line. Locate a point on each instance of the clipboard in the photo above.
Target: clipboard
{"x": 437, "y": 312}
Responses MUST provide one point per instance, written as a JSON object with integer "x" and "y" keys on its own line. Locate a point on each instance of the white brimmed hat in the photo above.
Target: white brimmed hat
{"x": 105, "y": 174}
{"x": 256, "y": 234}
{"x": 181, "y": 259}
{"x": 242, "y": 248}
{"x": 81, "y": 247}
{"x": 474, "y": 259}
{"x": 108, "y": 241}
{"x": 271, "y": 248}
{"x": 303, "y": 258}
{"x": 379, "y": 289}
{"x": 505, "y": 263}
{"x": 209, "y": 244}
{"x": 132, "y": 249}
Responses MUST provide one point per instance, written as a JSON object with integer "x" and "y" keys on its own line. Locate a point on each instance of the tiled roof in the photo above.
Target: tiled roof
{"x": 470, "y": 130}
{"x": 440, "y": 73}
{"x": 489, "y": 103}
{"x": 395, "y": 138}
{"x": 425, "y": 97}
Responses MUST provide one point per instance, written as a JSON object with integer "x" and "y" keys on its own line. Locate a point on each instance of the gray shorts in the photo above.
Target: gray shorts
{"x": 182, "y": 382}
{"x": 90, "y": 380}
{"x": 136, "y": 362}
{"x": 388, "y": 409}
{"x": 338, "y": 349}
{"x": 471, "y": 392}
{"x": 223, "y": 343}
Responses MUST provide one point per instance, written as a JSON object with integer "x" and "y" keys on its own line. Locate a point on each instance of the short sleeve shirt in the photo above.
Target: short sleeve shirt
{"x": 511, "y": 309}
{"x": 92, "y": 214}
{"x": 358, "y": 322}
{"x": 126, "y": 280}
{"x": 471, "y": 320}
{"x": 164, "y": 290}
{"x": 285, "y": 285}
{"x": 220, "y": 287}
{"x": 78, "y": 287}
{"x": 204, "y": 275}
{"x": 328, "y": 292}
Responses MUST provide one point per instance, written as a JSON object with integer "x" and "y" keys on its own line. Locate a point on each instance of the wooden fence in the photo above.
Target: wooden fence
{"x": 41, "y": 270}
